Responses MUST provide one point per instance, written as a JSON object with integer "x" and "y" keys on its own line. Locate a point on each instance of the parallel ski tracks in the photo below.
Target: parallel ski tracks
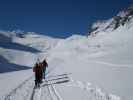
{"x": 58, "y": 96}
{"x": 54, "y": 95}
{"x": 51, "y": 92}
{"x": 50, "y": 88}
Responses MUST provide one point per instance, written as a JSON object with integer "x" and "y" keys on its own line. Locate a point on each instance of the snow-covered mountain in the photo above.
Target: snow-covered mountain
{"x": 18, "y": 53}
{"x": 103, "y": 60}
{"x": 101, "y": 65}
{"x": 122, "y": 18}
{"x": 14, "y": 48}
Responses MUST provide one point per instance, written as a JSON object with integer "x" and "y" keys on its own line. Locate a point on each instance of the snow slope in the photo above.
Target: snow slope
{"x": 104, "y": 61}
{"x": 15, "y": 49}
{"x": 67, "y": 56}
{"x": 101, "y": 65}
{"x": 18, "y": 54}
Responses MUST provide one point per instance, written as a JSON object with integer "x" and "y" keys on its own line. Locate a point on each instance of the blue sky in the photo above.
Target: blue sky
{"x": 57, "y": 18}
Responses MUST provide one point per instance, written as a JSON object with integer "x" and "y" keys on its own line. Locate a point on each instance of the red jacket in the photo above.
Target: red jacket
{"x": 37, "y": 68}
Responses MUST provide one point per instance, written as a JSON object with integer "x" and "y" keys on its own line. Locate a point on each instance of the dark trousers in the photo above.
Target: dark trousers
{"x": 38, "y": 79}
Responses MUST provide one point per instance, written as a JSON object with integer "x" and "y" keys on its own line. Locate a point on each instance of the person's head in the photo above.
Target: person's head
{"x": 36, "y": 65}
{"x": 44, "y": 61}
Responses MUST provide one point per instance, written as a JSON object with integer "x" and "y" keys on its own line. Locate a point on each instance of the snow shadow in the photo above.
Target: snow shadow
{"x": 6, "y": 66}
{"x": 16, "y": 46}
{"x": 4, "y": 38}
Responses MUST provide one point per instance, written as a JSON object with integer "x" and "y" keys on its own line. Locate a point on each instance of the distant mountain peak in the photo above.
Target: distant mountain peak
{"x": 112, "y": 24}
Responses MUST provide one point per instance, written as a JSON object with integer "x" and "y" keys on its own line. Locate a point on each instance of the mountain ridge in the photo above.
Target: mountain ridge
{"x": 121, "y": 19}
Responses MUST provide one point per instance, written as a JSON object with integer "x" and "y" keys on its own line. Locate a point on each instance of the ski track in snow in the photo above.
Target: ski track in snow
{"x": 93, "y": 92}
{"x": 53, "y": 94}
{"x": 58, "y": 96}
{"x": 49, "y": 92}
{"x": 13, "y": 93}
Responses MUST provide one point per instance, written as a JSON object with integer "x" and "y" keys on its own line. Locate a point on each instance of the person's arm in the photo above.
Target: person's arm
{"x": 46, "y": 64}
{"x": 34, "y": 69}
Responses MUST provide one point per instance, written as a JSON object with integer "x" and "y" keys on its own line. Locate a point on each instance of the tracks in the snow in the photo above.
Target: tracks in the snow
{"x": 53, "y": 92}
{"x": 13, "y": 92}
{"x": 32, "y": 94}
{"x": 27, "y": 91}
{"x": 50, "y": 90}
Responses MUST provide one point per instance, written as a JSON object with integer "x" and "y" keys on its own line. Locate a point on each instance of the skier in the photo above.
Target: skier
{"x": 44, "y": 65}
{"x": 37, "y": 69}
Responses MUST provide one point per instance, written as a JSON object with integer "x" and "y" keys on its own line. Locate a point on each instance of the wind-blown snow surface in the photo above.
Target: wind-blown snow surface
{"x": 101, "y": 67}
{"x": 104, "y": 60}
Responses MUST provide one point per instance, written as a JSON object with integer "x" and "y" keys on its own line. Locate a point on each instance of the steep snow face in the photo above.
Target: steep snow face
{"x": 120, "y": 19}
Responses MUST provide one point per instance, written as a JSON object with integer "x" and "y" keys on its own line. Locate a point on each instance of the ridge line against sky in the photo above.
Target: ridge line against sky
{"x": 57, "y": 18}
